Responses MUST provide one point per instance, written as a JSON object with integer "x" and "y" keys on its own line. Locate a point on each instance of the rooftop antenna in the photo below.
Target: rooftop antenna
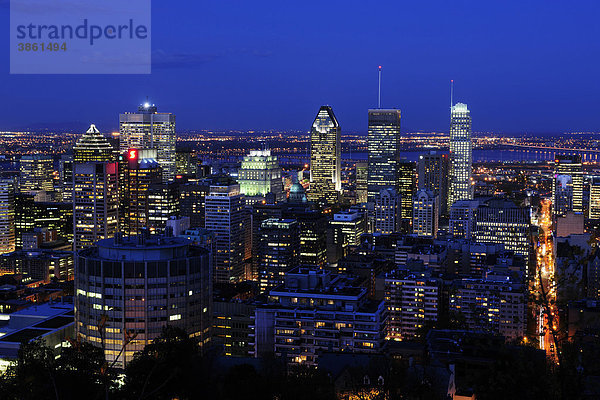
{"x": 379, "y": 90}
{"x": 451, "y": 93}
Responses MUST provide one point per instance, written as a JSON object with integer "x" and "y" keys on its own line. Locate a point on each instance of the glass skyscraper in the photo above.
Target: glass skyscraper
{"x": 325, "y": 157}
{"x": 384, "y": 151}
{"x": 149, "y": 129}
{"x": 461, "y": 155}
{"x": 567, "y": 184}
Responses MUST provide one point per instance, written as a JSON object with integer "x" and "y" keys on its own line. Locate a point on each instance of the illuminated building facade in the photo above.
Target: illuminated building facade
{"x": 314, "y": 311}
{"x": 461, "y": 155}
{"x": 138, "y": 285}
{"x": 362, "y": 176}
{"x": 278, "y": 251}
{"x": 191, "y": 201}
{"x": 163, "y": 203}
{"x": 325, "y": 157}
{"x": 95, "y": 202}
{"x": 7, "y": 215}
{"x": 412, "y": 302}
{"x": 260, "y": 174}
{"x": 567, "y": 185}
{"x": 387, "y": 212}
{"x": 347, "y": 228}
{"x": 149, "y": 129}
{"x": 407, "y": 184}
{"x": 384, "y": 150}
{"x": 92, "y": 146}
{"x": 36, "y": 173}
{"x": 425, "y": 213}
{"x": 186, "y": 162}
{"x": 225, "y": 216}
{"x": 433, "y": 175}
{"x": 594, "y": 207}
{"x": 139, "y": 171}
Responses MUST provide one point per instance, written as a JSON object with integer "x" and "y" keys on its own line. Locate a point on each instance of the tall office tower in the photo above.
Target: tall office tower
{"x": 425, "y": 213}
{"x": 224, "y": 215}
{"x": 407, "y": 184}
{"x": 325, "y": 157}
{"x": 92, "y": 146}
{"x": 139, "y": 170}
{"x": 260, "y": 174}
{"x": 433, "y": 175}
{"x": 502, "y": 221}
{"x": 313, "y": 235}
{"x": 567, "y": 185}
{"x": 384, "y": 150}
{"x": 186, "y": 162}
{"x": 36, "y": 173}
{"x": 346, "y": 229}
{"x": 139, "y": 285}
{"x": 261, "y": 212}
{"x": 65, "y": 177}
{"x": 95, "y": 202}
{"x": 412, "y": 301}
{"x": 387, "y": 211}
{"x": 191, "y": 202}
{"x": 7, "y": 215}
{"x": 278, "y": 251}
{"x": 362, "y": 174}
{"x": 461, "y": 155}
{"x": 149, "y": 129}
{"x": 594, "y": 207}
{"x": 163, "y": 203}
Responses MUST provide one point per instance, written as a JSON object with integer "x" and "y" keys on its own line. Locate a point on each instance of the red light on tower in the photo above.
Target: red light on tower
{"x": 132, "y": 154}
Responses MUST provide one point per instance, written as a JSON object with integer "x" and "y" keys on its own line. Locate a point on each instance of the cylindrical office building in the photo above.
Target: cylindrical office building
{"x": 128, "y": 288}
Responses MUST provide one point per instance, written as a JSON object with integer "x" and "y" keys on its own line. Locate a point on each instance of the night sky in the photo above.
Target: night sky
{"x": 521, "y": 66}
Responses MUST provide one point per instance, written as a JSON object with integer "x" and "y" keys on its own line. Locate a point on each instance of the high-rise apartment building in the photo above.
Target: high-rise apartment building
{"x": 260, "y": 174}
{"x": 567, "y": 185}
{"x": 278, "y": 251}
{"x": 425, "y": 213}
{"x": 388, "y": 214}
{"x": 384, "y": 150}
{"x": 325, "y": 157}
{"x": 36, "y": 173}
{"x": 224, "y": 215}
{"x": 433, "y": 175}
{"x": 92, "y": 146}
{"x": 95, "y": 202}
{"x": 139, "y": 171}
{"x": 7, "y": 215}
{"x": 461, "y": 155}
{"x": 149, "y": 129}
{"x": 139, "y": 285}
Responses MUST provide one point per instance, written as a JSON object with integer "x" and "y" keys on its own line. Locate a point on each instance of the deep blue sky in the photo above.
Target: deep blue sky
{"x": 520, "y": 66}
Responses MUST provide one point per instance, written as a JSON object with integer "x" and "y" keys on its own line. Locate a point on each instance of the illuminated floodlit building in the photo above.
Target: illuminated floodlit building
{"x": 567, "y": 185}
{"x": 149, "y": 129}
{"x": 384, "y": 150}
{"x": 325, "y": 157}
{"x": 138, "y": 285}
{"x": 461, "y": 155}
{"x": 260, "y": 174}
{"x": 7, "y": 215}
{"x": 92, "y": 146}
{"x": 95, "y": 202}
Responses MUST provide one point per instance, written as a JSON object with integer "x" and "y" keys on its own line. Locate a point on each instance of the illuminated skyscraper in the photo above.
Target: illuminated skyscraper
{"x": 461, "y": 155}
{"x": 224, "y": 216}
{"x": 407, "y": 186}
{"x": 594, "y": 208}
{"x": 387, "y": 212}
{"x": 384, "y": 151}
{"x": 36, "y": 173}
{"x": 149, "y": 129}
{"x": 163, "y": 203}
{"x": 362, "y": 174}
{"x": 95, "y": 202}
{"x": 425, "y": 213}
{"x": 7, "y": 215}
{"x": 92, "y": 146}
{"x": 278, "y": 251}
{"x": 139, "y": 171}
{"x": 260, "y": 174}
{"x": 567, "y": 184}
{"x": 325, "y": 157}
{"x": 433, "y": 175}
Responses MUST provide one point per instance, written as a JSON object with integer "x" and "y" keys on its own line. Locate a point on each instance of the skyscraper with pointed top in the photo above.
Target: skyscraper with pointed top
{"x": 92, "y": 146}
{"x": 325, "y": 157}
{"x": 461, "y": 155}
